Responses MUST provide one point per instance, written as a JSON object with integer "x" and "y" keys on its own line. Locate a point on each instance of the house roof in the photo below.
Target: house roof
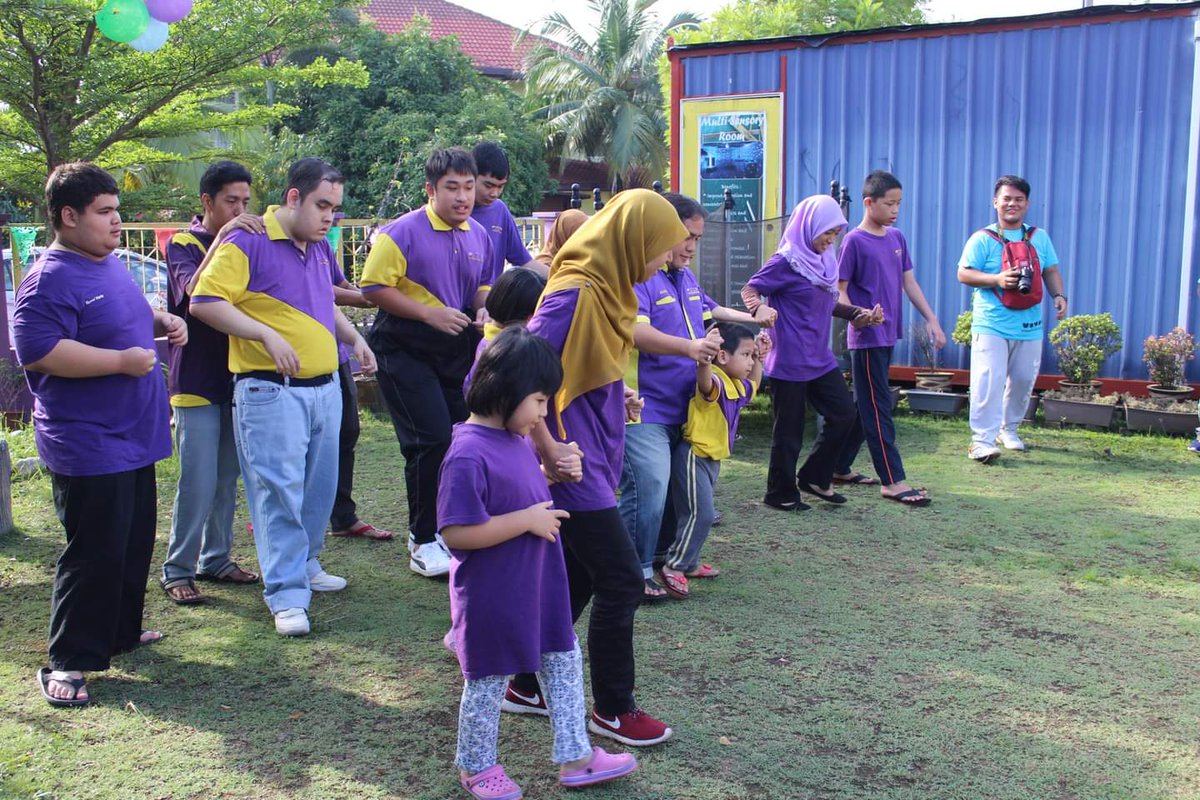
{"x": 489, "y": 43}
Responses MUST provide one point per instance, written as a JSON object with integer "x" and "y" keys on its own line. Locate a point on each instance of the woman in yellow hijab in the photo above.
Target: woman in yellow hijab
{"x": 587, "y": 313}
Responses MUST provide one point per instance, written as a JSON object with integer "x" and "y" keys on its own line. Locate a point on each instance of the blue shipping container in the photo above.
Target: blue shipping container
{"x": 1097, "y": 108}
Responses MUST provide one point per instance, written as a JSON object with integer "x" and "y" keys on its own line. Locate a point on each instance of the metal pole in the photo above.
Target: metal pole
{"x": 1187, "y": 271}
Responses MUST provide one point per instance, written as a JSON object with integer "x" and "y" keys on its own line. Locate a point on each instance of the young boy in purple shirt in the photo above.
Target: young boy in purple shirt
{"x": 875, "y": 270}
{"x": 201, "y": 390}
{"x": 85, "y": 336}
{"x": 426, "y": 274}
{"x": 491, "y": 212}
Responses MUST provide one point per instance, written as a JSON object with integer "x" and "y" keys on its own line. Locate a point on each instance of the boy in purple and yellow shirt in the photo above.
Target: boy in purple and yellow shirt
{"x": 490, "y": 211}
{"x": 426, "y": 273}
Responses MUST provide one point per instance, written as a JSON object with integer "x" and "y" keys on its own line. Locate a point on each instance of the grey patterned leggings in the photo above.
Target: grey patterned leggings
{"x": 561, "y": 677}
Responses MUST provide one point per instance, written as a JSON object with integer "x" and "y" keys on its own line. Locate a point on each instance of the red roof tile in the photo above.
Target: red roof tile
{"x": 486, "y": 41}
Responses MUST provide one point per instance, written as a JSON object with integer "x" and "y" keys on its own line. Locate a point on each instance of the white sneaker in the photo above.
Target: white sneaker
{"x": 430, "y": 559}
{"x": 1010, "y": 441}
{"x": 983, "y": 453}
{"x": 292, "y": 622}
{"x": 324, "y": 582}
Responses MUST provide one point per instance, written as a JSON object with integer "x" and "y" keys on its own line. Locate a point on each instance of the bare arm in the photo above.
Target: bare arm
{"x": 704, "y": 381}
{"x": 649, "y": 339}
{"x": 978, "y": 279}
{"x": 222, "y": 315}
{"x": 723, "y": 314}
{"x": 396, "y": 303}
{"x": 72, "y": 359}
{"x": 345, "y": 294}
{"x": 843, "y": 293}
{"x": 540, "y": 520}
{"x": 1054, "y": 282}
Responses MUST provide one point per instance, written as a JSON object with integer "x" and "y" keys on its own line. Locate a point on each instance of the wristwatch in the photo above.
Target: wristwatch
{"x": 1057, "y": 295}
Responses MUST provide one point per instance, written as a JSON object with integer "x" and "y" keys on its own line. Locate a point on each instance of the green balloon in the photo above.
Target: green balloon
{"x": 123, "y": 20}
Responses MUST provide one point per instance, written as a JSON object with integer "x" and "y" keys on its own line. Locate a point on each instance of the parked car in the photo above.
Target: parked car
{"x": 148, "y": 273}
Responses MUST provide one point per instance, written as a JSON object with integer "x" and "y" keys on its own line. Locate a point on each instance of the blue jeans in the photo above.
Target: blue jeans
{"x": 645, "y": 478}
{"x": 202, "y": 518}
{"x": 287, "y": 442}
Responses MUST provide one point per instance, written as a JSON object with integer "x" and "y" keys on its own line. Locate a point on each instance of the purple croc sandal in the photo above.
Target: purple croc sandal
{"x": 602, "y": 767}
{"x": 492, "y": 784}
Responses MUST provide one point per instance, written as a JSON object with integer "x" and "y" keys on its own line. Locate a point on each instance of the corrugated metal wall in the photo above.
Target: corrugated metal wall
{"x": 1095, "y": 114}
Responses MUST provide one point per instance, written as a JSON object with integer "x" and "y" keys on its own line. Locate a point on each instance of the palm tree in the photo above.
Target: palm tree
{"x": 601, "y": 97}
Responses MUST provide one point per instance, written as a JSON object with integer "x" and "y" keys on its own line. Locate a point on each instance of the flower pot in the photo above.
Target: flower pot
{"x": 935, "y": 402}
{"x": 1078, "y": 412}
{"x": 934, "y": 381}
{"x": 1082, "y": 390}
{"x": 1172, "y": 392}
{"x": 895, "y": 390}
{"x": 1158, "y": 421}
{"x": 1032, "y": 407}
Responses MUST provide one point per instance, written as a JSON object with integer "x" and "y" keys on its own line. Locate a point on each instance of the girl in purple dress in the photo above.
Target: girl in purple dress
{"x": 509, "y": 605}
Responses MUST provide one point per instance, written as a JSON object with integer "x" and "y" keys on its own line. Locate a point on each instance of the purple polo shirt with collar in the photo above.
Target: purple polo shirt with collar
{"x": 198, "y": 372}
{"x": 428, "y": 260}
{"x": 507, "y": 245}
{"x": 800, "y": 337}
{"x": 673, "y": 303}
{"x": 90, "y": 426}
{"x": 271, "y": 280}
{"x": 595, "y": 420}
{"x": 874, "y": 267}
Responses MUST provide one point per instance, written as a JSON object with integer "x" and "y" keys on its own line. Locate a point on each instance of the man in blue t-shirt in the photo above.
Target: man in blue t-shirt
{"x": 1006, "y": 343}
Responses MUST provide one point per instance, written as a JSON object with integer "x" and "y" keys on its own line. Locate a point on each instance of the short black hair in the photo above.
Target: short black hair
{"x": 309, "y": 173}
{"x": 514, "y": 295}
{"x": 685, "y": 207}
{"x": 733, "y": 334}
{"x": 515, "y": 365}
{"x": 879, "y": 183}
{"x": 490, "y": 159}
{"x": 221, "y": 174}
{"x": 449, "y": 159}
{"x": 75, "y": 184}
{"x": 1015, "y": 181}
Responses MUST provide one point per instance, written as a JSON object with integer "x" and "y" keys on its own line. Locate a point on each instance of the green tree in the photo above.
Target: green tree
{"x": 759, "y": 19}
{"x": 66, "y": 92}
{"x": 602, "y": 96}
{"x": 424, "y": 94}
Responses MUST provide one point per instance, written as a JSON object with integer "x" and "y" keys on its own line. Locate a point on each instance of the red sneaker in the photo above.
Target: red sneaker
{"x": 635, "y": 728}
{"x": 517, "y": 702}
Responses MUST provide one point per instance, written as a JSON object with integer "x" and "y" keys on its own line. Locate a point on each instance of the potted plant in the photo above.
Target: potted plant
{"x": 1082, "y": 343}
{"x": 932, "y": 379}
{"x": 1166, "y": 358}
{"x": 1160, "y": 415}
{"x": 962, "y": 337}
{"x": 932, "y": 393}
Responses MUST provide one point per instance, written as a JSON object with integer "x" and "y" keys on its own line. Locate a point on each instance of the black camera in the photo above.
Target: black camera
{"x": 1025, "y": 279}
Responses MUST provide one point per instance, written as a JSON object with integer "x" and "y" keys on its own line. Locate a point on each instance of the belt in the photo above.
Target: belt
{"x": 284, "y": 380}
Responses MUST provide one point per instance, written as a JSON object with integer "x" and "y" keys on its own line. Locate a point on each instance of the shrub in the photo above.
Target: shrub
{"x": 1083, "y": 342}
{"x": 1166, "y": 357}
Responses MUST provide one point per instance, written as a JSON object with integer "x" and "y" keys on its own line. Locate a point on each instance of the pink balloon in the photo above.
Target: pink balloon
{"x": 169, "y": 10}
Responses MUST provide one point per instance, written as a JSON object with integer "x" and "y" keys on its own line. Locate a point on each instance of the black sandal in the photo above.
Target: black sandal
{"x": 175, "y": 583}
{"x": 832, "y": 497}
{"x": 654, "y": 592}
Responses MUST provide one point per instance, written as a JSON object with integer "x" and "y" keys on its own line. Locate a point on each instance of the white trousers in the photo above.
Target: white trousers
{"x": 1002, "y": 375}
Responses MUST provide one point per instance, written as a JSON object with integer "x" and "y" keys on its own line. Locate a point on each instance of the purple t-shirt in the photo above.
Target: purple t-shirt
{"x": 90, "y": 426}
{"x": 595, "y": 420}
{"x": 673, "y": 303}
{"x": 800, "y": 338}
{"x": 509, "y": 603}
{"x": 507, "y": 245}
{"x": 198, "y": 372}
{"x": 875, "y": 267}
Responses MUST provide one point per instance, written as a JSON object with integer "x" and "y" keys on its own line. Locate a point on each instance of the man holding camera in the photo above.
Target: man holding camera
{"x": 1005, "y": 263}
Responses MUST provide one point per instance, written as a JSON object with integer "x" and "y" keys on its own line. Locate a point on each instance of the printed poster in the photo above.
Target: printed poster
{"x": 732, "y": 157}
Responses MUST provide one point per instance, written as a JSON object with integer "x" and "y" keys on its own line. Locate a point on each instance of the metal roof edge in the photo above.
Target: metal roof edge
{"x": 1077, "y": 16}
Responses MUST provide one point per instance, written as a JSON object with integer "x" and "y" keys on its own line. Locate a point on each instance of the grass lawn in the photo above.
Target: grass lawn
{"x": 1033, "y": 634}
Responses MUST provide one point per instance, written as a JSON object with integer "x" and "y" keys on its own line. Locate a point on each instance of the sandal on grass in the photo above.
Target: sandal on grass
{"x": 173, "y": 588}
{"x": 235, "y": 574}
{"x": 654, "y": 592}
{"x": 79, "y": 684}
{"x": 913, "y": 497}
{"x": 365, "y": 530}
{"x": 831, "y": 497}
{"x": 492, "y": 784}
{"x": 704, "y": 571}
{"x": 856, "y": 479}
{"x": 787, "y": 505}
{"x": 675, "y": 584}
